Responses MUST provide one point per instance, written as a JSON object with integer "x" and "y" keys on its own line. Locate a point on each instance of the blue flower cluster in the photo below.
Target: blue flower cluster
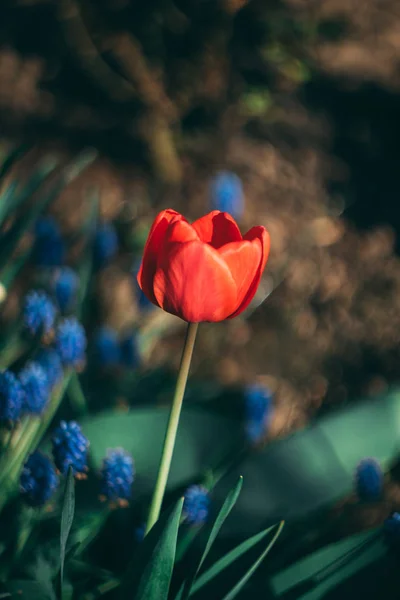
{"x": 49, "y": 246}
{"x": 105, "y": 244}
{"x": 117, "y": 476}
{"x": 226, "y": 192}
{"x": 65, "y": 285}
{"x": 38, "y": 480}
{"x": 39, "y": 316}
{"x": 39, "y": 313}
{"x": 196, "y": 505}
{"x": 35, "y": 384}
{"x": 70, "y": 342}
{"x": 110, "y": 351}
{"x": 70, "y": 448}
{"x": 369, "y": 480}
{"x": 50, "y": 361}
{"x": 11, "y": 397}
{"x": 258, "y": 411}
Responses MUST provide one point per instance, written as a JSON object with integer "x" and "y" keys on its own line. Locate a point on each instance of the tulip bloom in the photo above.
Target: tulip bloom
{"x": 204, "y": 271}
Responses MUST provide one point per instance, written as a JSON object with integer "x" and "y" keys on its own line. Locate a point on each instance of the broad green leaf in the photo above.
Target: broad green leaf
{"x": 228, "y": 559}
{"x": 314, "y": 467}
{"x": 201, "y": 437}
{"x": 67, "y": 517}
{"x": 242, "y": 582}
{"x": 150, "y": 575}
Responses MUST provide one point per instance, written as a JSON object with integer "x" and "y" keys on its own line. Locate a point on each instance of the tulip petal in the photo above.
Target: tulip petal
{"x": 193, "y": 282}
{"x": 180, "y": 231}
{"x": 243, "y": 259}
{"x": 154, "y": 242}
{"x": 255, "y": 235}
{"x": 217, "y": 228}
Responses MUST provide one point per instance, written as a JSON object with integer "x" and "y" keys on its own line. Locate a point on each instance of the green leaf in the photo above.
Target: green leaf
{"x": 11, "y": 239}
{"x": 67, "y": 517}
{"x": 150, "y": 576}
{"x": 315, "y": 466}
{"x": 330, "y": 565}
{"x": 228, "y": 559}
{"x": 27, "y": 590}
{"x": 200, "y": 438}
{"x": 219, "y": 521}
{"x": 242, "y": 582}
{"x": 222, "y": 515}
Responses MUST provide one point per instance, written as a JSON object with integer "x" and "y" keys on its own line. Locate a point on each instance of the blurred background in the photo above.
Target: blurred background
{"x": 284, "y": 113}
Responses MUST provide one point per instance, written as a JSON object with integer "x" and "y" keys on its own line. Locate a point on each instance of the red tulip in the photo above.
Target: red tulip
{"x": 205, "y": 271}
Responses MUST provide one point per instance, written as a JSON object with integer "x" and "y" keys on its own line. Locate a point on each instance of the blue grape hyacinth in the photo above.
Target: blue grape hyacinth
{"x": 227, "y": 193}
{"x": 39, "y": 313}
{"x": 38, "y": 480}
{"x": 258, "y": 411}
{"x": 70, "y": 448}
{"x": 105, "y": 244}
{"x": 36, "y": 388}
{"x": 369, "y": 480}
{"x": 11, "y": 397}
{"x": 70, "y": 342}
{"x": 49, "y": 246}
{"x": 196, "y": 505}
{"x": 117, "y": 475}
{"x": 65, "y": 288}
{"x": 130, "y": 355}
{"x": 50, "y": 361}
{"x": 106, "y": 347}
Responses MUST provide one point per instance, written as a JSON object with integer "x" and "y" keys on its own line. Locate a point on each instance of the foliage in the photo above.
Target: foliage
{"x": 59, "y": 548}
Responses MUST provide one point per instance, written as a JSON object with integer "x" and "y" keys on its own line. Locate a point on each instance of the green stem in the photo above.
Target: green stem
{"x": 172, "y": 427}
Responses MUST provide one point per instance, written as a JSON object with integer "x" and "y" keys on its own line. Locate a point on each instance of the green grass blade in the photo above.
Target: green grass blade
{"x": 150, "y": 574}
{"x": 242, "y": 582}
{"x": 229, "y": 503}
{"x": 67, "y": 517}
{"x": 26, "y": 221}
{"x": 228, "y": 559}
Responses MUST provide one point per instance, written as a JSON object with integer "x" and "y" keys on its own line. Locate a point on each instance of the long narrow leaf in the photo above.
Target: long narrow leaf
{"x": 229, "y": 503}
{"x": 228, "y": 559}
{"x": 227, "y": 506}
{"x": 67, "y": 517}
{"x": 12, "y": 237}
{"x": 242, "y": 582}
{"x": 150, "y": 575}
